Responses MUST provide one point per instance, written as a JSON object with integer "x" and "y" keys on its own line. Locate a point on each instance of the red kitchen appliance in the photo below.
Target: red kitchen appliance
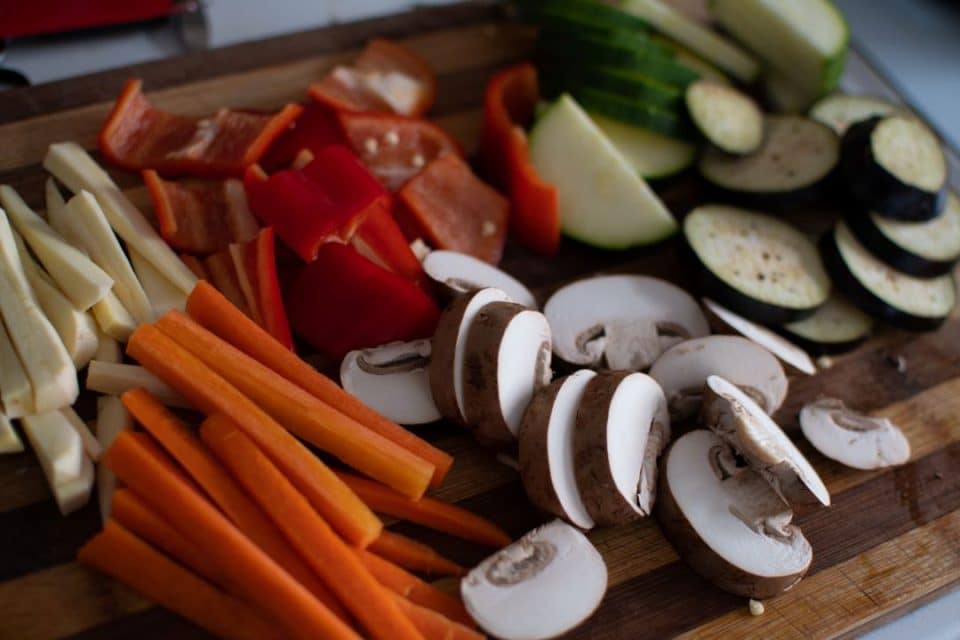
{"x": 36, "y": 17}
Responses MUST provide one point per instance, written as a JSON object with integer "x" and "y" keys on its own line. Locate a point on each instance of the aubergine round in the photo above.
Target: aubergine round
{"x": 836, "y": 327}
{"x": 894, "y": 166}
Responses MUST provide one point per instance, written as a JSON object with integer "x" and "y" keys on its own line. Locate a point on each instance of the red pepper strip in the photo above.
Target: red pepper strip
{"x": 448, "y": 206}
{"x": 509, "y": 103}
{"x": 201, "y": 216}
{"x": 194, "y": 264}
{"x": 137, "y": 136}
{"x": 223, "y": 276}
{"x": 324, "y": 201}
{"x": 387, "y": 77}
{"x": 341, "y": 301}
{"x": 380, "y": 240}
{"x": 315, "y": 128}
{"x": 256, "y": 266}
{"x": 395, "y": 148}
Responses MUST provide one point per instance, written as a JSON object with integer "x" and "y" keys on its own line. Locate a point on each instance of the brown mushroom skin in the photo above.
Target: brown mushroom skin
{"x": 442, "y": 358}
{"x": 481, "y": 389}
{"x": 702, "y": 559}
{"x": 533, "y": 457}
{"x": 597, "y": 488}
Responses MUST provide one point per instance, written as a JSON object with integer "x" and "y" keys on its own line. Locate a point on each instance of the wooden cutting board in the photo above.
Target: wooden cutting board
{"x": 890, "y": 541}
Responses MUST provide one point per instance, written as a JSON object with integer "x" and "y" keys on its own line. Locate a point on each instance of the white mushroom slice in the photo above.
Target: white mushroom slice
{"x": 683, "y": 369}
{"x": 777, "y": 345}
{"x": 458, "y": 273}
{"x": 622, "y": 321}
{"x": 546, "y": 449}
{"x": 736, "y": 418}
{"x": 622, "y": 426}
{"x": 542, "y": 586}
{"x": 726, "y": 522}
{"x": 449, "y": 347}
{"x": 392, "y": 379}
{"x": 851, "y": 438}
{"x": 507, "y": 359}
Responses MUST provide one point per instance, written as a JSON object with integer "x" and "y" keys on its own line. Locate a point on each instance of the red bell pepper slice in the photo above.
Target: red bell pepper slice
{"x": 138, "y": 136}
{"x": 197, "y": 266}
{"x": 224, "y": 277}
{"x": 448, "y": 206}
{"x": 380, "y": 240}
{"x": 395, "y": 148}
{"x": 256, "y": 265}
{"x": 325, "y": 200}
{"x": 341, "y": 301}
{"x": 201, "y": 216}
{"x": 509, "y": 104}
{"x": 316, "y": 127}
{"x": 387, "y": 77}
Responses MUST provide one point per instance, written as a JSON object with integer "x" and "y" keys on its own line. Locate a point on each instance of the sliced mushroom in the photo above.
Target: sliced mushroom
{"x": 621, "y": 322}
{"x": 507, "y": 359}
{"x": 683, "y": 369}
{"x": 726, "y": 521}
{"x": 622, "y": 426}
{"x": 854, "y": 439}
{"x": 457, "y": 273}
{"x": 541, "y": 586}
{"x": 393, "y": 380}
{"x": 449, "y": 347}
{"x": 777, "y": 345}
{"x": 740, "y": 421}
{"x": 546, "y": 449}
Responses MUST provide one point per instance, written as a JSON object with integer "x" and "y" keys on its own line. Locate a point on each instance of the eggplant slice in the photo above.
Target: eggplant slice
{"x": 894, "y": 166}
{"x": 887, "y": 294}
{"x": 729, "y": 119}
{"x": 791, "y": 168}
{"x": 840, "y": 111}
{"x": 921, "y": 249}
{"x": 836, "y": 327}
{"x": 756, "y": 265}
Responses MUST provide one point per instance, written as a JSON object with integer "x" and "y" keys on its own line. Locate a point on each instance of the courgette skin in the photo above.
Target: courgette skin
{"x": 862, "y": 297}
{"x": 878, "y": 190}
{"x": 897, "y": 257}
{"x": 557, "y": 79}
{"x": 634, "y": 112}
{"x": 750, "y": 308}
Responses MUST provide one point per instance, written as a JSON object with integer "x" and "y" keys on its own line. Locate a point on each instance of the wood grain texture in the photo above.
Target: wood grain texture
{"x": 889, "y": 541}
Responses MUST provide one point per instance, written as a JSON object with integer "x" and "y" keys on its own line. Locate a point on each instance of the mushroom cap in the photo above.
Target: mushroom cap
{"x": 393, "y": 380}
{"x": 458, "y": 273}
{"x": 683, "y": 369}
{"x": 851, "y": 438}
{"x": 621, "y": 321}
{"x": 726, "y": 521}
{"x": 740, "y": 421}
{"x": 541, "y": 586}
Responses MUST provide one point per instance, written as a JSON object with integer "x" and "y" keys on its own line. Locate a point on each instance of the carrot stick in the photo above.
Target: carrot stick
{"x": 306, "y": 416}
{"x": 174, "y": 436}
{"x": 141, "y": 520}
{"x": 251, "y": 572}
{"x": 211, "y": 309}
{"x": 210, "y": 393}
{"x": 433, "y": 625}
{"x": 123, "y": 556}
{"x": 323, "y": 550}
{"x": 413, "y": 588}
{"x": 428, "y": 512}
{"x": 413, "y": 555}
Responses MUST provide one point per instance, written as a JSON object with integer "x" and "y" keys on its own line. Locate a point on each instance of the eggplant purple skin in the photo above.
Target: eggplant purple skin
{"x": 878, "y": 190}
{"x": 740, "y": 303}
{"x": 860, "y": 296}
{"x": 897, "y": 257}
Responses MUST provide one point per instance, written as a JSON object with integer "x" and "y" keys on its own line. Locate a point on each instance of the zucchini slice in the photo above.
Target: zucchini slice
{"x": 895, "y": 167}
{"x": 650, "y": 154}
{"x": 587, "y": 14}
{"x": 602, "y": 200}
{"x": 835, "y": 327}
{"x": 635, "y": 112}
{"x": 557, "y": 79}
{"x": 791, "y": 168}
{"x": 840, "y": 110}
{"x": 922, "y": 249}
{"x": 756, "y": 265}
{"x": 729, "y": 119}
{"x": 887, "y": 294}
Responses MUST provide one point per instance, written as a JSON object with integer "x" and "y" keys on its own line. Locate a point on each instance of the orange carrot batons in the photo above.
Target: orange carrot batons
{"x": 212, "y": 310}
{"x": 123, "y": 556}
{"x": 252, "y": 573}
{"x": 323, "y": 550}
{"x": 197, "y": 382}
{"x": 413, "y": 555}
